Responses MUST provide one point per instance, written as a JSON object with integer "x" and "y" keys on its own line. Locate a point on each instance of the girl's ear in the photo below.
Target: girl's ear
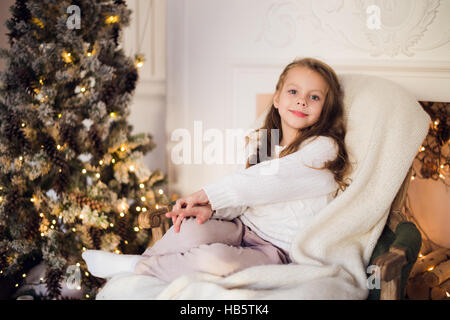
{"x": 276, "y": 99}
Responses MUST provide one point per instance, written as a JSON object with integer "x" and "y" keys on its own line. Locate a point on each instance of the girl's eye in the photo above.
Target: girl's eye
{"x": 292, "y": 91}
{"x": 315, "y": 98}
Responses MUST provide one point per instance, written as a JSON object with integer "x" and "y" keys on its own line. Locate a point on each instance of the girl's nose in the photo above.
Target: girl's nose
{"x": 301, "y": 103}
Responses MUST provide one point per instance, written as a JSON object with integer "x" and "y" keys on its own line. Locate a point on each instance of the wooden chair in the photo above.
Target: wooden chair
{"x": 395, "y": 253}
{"x": 397, "y": 249}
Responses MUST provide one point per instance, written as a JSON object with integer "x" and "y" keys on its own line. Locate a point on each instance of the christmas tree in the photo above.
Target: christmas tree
{"x": 72, "y": 175}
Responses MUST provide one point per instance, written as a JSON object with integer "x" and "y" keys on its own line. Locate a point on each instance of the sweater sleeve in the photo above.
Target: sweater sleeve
{"x": 229, "y": 213}
{"x": 291, "y": 177}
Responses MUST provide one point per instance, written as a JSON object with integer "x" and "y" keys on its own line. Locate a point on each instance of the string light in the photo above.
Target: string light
{"x": 143, "y": 199}
{"x": 83, "y": 171}
{"x": 160, "y": 191}
{"x": 430, "y": 268}
{"x": 23, "y": 124}
{"x": 139, "y": 61}
{"x": 83, "y": 89}
{"x": 67, "y": 57}
{"x": 141, "y": 186}
{"x": 122, "y": 214}
{"x": 97, "y": 175}
{"x": 131, "y": 168}
{"x": 122, "y": 148}
{"x": 38, "y": 22}
{"x": 112, "y": 115}
{"x": 112, "y": 19}
{"x": 59, "y": 115}
{"x": 136, "y": 229}
{"x": 100, "y": 162}
{"x": 138, "y": 208}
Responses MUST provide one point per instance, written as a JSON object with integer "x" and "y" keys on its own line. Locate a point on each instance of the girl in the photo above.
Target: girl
{"x": 249, "y": 218}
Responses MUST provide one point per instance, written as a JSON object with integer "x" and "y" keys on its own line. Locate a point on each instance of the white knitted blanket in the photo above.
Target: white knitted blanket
{"x": 385, "y": 128}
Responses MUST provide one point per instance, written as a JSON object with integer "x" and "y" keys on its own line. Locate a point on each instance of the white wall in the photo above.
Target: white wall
{"x": 146, "y": 35}
{"x": 221, "y": 54}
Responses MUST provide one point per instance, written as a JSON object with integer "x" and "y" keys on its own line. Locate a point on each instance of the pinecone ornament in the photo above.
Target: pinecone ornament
{"x": 32, "y": 227}
{"x": 53, "y": 279}
{"x": 12, "y": 201}
{"x": 49, "y": 146}
{"x": 69, "y": 134}
{"x": 96, "y": 236}
{"x": 14, "y": 133}
{"x": 62, "y": 179}
{"x": 82, "y": 201}
{"x": 97, "y": 142}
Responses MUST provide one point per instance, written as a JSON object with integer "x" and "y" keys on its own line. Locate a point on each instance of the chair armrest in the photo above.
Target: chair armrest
{"x": 391, "y": 263}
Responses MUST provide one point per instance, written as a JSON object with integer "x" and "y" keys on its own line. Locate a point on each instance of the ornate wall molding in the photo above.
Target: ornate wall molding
{"x": 403, "y": 28}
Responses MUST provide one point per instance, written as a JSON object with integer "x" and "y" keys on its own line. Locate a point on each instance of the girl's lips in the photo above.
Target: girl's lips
{"x": 298, "y": 113}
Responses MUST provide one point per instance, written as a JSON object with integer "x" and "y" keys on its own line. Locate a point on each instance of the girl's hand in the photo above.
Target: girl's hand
{"x": 197, "y": 198}
{"x": 202, "y": 213}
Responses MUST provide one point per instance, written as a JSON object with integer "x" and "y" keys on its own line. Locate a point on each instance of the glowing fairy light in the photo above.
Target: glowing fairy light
{"x": 112, "y": 19}
{"x": 67, "y": 57}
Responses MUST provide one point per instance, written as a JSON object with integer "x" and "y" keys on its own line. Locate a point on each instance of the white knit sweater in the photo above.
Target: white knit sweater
{"x": 276, "y": 198}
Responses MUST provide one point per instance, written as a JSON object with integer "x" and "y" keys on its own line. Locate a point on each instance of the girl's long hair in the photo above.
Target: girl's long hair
{"x": 330, "y": 124}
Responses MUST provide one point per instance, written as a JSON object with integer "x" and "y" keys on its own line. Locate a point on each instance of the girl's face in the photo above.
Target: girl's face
{"x": 300, "y": 100}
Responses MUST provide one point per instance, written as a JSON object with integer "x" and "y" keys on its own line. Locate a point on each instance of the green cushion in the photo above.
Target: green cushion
{"x": 406, "y": 236}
